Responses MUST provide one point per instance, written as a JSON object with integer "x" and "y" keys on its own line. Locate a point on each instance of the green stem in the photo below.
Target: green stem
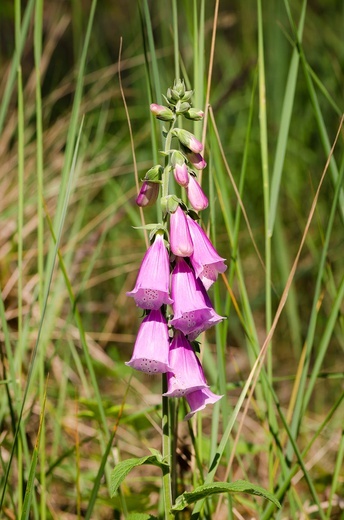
{"x": 166, "y": 452}
{"x": 167, "y": 419}
{"x": 166, "y": 173}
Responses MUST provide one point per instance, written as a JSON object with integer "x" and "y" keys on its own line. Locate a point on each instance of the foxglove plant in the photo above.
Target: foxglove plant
{"x": 189, "y": 256}
{"x": 179, "y": 267}
{"x": 177, "y": 270}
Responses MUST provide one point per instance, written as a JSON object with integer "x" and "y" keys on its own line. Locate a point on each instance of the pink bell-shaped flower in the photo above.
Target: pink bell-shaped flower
{"x": 193, "y": 312}
{"x": 199, "y": 399}
{"x": 151, "y": 290}
{"x": 180, "y": 238}
{"x": 195, "y": 194}
{"x": 187, "y": 374}
{"x": 151, "y": 350}
{"x": 204, "y": 259}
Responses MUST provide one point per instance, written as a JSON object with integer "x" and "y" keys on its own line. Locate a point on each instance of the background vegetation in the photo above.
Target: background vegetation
{"x": 69, "y": 251}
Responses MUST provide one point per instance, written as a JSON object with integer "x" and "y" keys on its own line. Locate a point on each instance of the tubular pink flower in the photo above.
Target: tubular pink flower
{"x": 204, "y": 259}
{"x": 193, "y": 312}
{"x": 188, "y": 139}
{"x": 195, "y": 194}
{"x": 197, "y": 160}
{"x": 187, "y": 374}
{"x": 180, "y": 238}
{"x": 199, "y": 399}
{"x": 148, "y": 194}
{"x": 151, "y": 290}
{"x": 181, "y": 175}
{"x": 151, "y": 350}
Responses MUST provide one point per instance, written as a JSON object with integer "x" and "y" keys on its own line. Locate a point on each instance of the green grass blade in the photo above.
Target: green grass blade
{"x": 50, "y": 272}
{"x": 30, "y": 485}
{"x": 73, "y": 126}
{"x": 283, "y": 133}
{"x": 318, "y": 113}
{"x": 22, "y": 34}
{"x": 299, "y": 405}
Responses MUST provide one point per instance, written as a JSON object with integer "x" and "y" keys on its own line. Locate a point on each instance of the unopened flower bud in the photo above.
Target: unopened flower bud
{"x": 179, "y": 88}
{"x": 181, "y": 175}
{"x": 180, "y": 238}
{"x": 180, "y": 170}
{"x": 195, "y": 194}
{"x": 188, "y": 140}
{"x": 148, "y": 194}
{"x": 182, "y": 107}
{"x": 161, "y": 112}
{"x": 197, "y": 160}
{"x": 194, "y": 114}
{"x": 172, "y": 96}
{"x": 188, "y": 95}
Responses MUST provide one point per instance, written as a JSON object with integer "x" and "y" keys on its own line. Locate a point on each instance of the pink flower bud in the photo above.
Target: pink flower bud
{"x": 161, "y": 112}
{"x": 197, "y": 160}
{"x": 148, "y": 194}
{"x": 188, "y": 139}
{"x": 195, "y": 194}
{"x": 194, "y": 114}
{"x": 181, "y": 175}
{"x": 180, "y": 238}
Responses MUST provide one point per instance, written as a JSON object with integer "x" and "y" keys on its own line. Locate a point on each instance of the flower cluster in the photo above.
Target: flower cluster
{"x": 178, "y": 268}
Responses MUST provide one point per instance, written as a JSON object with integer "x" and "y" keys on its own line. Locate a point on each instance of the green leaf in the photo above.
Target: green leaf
{"x": 240, "y": 486}
{"x": 123, "y": 468}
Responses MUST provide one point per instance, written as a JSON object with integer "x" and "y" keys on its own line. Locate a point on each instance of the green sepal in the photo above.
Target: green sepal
{"x": 154, "y": 173}
{"x": 182, "y": 107}
{"x": 154, "y": 229}
{"x": 177, "y": 158}
{"x": 188, "y": 95}
{"x": 161, "y": 229}
{"x": 170, "y": 203}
